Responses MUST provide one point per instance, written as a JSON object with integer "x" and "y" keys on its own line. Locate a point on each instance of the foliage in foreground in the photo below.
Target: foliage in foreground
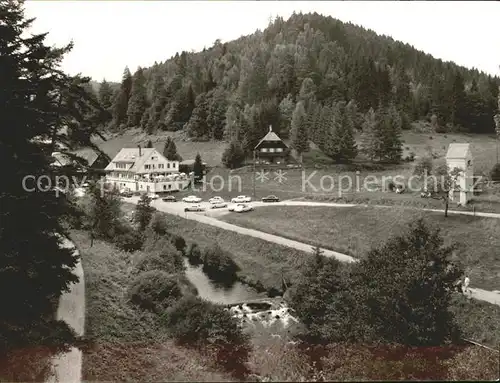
{"x": 400, "y": 293}
{"x": 198, "y": 323}
{"x": 37, "y": 100}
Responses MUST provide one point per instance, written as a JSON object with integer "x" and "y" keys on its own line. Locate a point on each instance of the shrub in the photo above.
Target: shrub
{"x": 155, "y": 290}
{"x": 495, "y": 173}
{"x": 179, "y": 243}
{"x": 165, "y": 260}
{"x": 198, "y": 323}
{"x": 194, "y": 254}
{"x": 159, "y": 224}
{"x": 423, "y": 165}
{"x": 162, "y": 247}
{"x": 129, "y": 241}
{"x": 219, "y": 265}
{"x": 391, "y": 186}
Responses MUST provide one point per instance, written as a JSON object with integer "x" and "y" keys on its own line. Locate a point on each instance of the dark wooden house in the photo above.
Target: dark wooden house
{"x": 271, "y": 150}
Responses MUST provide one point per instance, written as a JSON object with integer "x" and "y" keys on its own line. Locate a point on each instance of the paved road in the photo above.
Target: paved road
{"x": 209, "y": 217}
{"x": 68, "y": 366}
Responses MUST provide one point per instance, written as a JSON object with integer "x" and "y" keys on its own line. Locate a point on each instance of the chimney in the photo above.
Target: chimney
{"x": 140, "y": 150}
{"x": 270, "y": 128}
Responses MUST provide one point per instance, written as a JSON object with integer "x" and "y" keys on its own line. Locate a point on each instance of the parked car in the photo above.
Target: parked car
{"x": 241, "y": 199}
{"x": 218, "y": 205}
{"x": 127, "y": 193}
{"x": 191, "y": 199}
{"x": 195, "y": 207}
{"x": 270, "y": 198}
{"x": 243, "y": 207}
{"x": 153, "y": 196}
{"x": 169, "y": 198}
{"x": 216, "y": 200}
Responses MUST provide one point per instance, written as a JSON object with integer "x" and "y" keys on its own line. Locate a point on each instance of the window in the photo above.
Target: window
{"x": 161, "y": 166}
{"x": 147, "y": 167}
{"x": 154, "y": 158}
{"x": 271, "y": 150}
{"x": 263, "y": 150}
{"x": 170, "y": 186}
{"x": 164, "y": 187}
{"x": 168, "y": 165}
{"x": 279, "y": 150}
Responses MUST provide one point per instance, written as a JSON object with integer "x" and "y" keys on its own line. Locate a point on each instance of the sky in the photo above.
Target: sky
{"x": 109, "y": 35}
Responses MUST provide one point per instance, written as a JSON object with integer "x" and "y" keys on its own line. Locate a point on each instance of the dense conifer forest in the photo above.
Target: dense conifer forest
{"x": 312, "y": 78}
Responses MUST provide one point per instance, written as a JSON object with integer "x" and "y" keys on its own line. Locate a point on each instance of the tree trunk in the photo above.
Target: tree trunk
{"x": 446, "y": 208}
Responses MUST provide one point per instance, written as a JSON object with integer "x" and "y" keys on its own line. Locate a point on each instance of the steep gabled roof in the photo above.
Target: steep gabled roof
{"x": 270, "y": 137}
{"x": 131, "y": 156}
{"x": 458, "y": 151}
{"x": 89, "y": 154}
{"x": 66, "y": 158}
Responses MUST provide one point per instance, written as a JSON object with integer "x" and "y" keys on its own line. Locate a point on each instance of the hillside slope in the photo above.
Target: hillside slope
{"x": 298, "y": 76}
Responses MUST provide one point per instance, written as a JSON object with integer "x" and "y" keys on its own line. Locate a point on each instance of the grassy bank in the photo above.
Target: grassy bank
{"x": 128, "y": 344}
{"x": 355, "y": 230}
{"x": 258, "y": 260}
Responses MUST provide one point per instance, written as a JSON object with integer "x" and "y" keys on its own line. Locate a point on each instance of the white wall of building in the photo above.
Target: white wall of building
{"x": 465, "y": 180}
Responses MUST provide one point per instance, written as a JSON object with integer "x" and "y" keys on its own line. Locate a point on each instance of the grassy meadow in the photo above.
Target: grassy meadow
{"x": 355, "y": 230}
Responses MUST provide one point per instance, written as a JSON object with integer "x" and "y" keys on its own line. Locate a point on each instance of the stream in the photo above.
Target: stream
{"x": 244, "y": 302}
{"x": 217, "y": 293}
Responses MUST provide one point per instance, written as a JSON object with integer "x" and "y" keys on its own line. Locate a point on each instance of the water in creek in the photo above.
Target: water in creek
{"x": 215, "y": 292}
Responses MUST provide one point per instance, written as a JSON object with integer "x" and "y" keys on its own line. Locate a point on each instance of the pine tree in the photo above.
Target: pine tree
{"x": 143, "y": 212}
{"x": 216, "y": 115}
{"x": 390, "y": 129}
{"x": 352, "y": 117}
{"x": 232, "y": 123}
{"x": 36, "y": 101}
{"x": 299, "y": 129}
{"x": 197, "y": 125}
{"x": 149, "y": 144}
{"x": 286, "y": 108}
{"x": 254, "y": 128}
{"x": 322, "y": 134}
{"x": 120, "y": 103}
{"x": 170, "y": 150}
{"x": 105, "y": 95}
{"x": 233, "y": 156}
{"x": 159, "y": 101}
{"x": 138, "y": 102}
{"x": 198, "y": 168}
{"x": 340, "y": 144}
{"x": 370, "y": 139}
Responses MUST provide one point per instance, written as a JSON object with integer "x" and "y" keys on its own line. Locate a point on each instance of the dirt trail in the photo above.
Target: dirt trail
{"x": 68, "y": 366}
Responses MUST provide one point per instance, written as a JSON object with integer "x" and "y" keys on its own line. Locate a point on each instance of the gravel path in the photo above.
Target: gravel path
{"x": 68, "y": 366}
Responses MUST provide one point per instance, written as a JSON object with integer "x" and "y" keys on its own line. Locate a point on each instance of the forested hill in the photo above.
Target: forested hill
{"x": 300, "y": 75}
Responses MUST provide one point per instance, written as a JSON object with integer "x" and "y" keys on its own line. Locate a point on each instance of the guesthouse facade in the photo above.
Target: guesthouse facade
{"x": 271, "y": 150}
{"x": 144, "y": 170}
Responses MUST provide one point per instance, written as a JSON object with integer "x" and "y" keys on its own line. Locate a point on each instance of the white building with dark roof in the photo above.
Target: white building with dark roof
{"x": 460, "y": 156}
{"x": 146, "y": 170}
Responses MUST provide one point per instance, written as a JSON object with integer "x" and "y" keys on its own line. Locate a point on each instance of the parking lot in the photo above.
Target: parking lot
{"x": 178, "y": 207}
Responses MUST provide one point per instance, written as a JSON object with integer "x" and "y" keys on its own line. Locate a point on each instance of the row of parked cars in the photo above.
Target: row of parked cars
{"x": 240, "y": 203}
